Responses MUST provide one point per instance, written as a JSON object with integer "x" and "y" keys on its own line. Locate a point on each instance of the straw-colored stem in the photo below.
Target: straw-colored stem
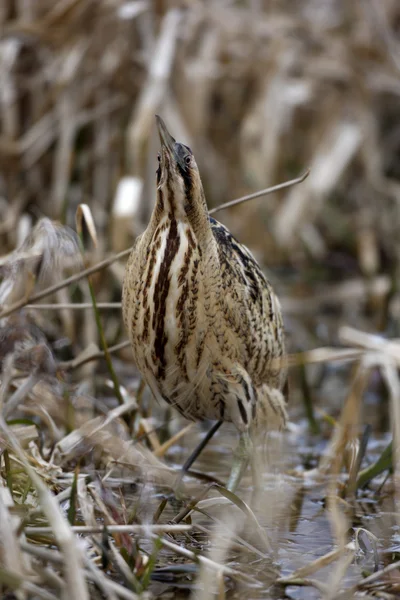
{"x": 103, "y": 342}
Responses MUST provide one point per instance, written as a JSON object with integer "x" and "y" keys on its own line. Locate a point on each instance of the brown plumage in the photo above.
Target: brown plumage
{"x": 204, "y": 322}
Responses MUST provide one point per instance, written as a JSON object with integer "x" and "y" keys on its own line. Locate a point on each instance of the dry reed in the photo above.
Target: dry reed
{"x": 262, "y": 91}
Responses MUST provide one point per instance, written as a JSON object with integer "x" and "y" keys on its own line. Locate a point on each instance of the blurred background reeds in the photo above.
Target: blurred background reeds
{"x": 261, "y": 90}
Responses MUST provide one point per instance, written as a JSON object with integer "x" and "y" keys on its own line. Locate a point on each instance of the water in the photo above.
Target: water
{"x": 290, "y": 508}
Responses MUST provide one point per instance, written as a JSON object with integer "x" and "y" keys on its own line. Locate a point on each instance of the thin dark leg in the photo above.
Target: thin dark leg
{"x": 196, "y": 453}
{"x": 199, "y": 449}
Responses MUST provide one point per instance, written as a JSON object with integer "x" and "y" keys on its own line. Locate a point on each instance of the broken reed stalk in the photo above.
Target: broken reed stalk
{"x": 63, "y": 534}
{"x": 104, "y": 345}
{"x": 84, "y": 221}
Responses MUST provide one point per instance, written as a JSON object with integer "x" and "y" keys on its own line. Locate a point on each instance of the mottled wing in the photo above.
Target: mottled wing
{"x": 252, "y": 310}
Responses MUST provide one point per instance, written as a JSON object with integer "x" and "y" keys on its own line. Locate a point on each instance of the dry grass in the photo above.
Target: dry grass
{"x": 90, "y": 505}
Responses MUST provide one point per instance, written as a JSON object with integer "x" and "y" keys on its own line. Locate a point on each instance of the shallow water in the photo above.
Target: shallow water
{"x": 289, "y": 508}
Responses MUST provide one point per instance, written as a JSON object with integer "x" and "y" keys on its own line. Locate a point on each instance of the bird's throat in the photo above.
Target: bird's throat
{"x": 186, "y": 208}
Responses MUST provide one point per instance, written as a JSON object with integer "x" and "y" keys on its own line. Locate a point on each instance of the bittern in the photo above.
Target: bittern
{"x": 204, "y": 322}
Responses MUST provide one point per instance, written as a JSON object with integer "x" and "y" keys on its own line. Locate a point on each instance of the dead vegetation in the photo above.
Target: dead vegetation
{"x": 89, "y": 501}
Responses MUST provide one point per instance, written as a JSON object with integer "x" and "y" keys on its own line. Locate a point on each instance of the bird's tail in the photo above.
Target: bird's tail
{"x": 271, "y": 412}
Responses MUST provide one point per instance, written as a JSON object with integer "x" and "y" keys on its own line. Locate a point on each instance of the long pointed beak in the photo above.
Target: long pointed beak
{"x": 169, "y": 143}
{"x": 166, "y": 138}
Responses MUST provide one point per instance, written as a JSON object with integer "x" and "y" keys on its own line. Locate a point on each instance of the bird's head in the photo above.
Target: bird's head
{"x": 178, "y": 178}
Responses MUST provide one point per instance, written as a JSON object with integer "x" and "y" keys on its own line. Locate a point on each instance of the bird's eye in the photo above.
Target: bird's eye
{"x": 188, "y": 159}
{"x": 159, "y": 157}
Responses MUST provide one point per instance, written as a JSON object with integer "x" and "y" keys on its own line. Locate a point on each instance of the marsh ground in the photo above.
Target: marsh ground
{"x": 261, "y": 91}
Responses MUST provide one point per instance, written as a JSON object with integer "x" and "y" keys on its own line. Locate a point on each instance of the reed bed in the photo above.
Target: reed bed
{"x": 91, "y": 501}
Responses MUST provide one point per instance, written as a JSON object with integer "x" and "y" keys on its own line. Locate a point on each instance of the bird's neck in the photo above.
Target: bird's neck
{"x": 190, "y": 209}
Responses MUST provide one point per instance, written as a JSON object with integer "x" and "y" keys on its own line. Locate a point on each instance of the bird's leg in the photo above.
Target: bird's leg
{"x": 240, "y": 461}
{"x": 197, "y": 451}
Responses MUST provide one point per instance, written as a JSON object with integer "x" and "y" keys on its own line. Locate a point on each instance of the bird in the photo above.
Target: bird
{"x": 204, "y": 322}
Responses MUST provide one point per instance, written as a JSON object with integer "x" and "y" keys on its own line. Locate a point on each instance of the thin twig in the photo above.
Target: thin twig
{"x": 109, "y": 261}
{"x": 78, "y": 362}
{"x": 76, "y": 306}
{"x": 65, "y": 283}
{"x": 204, "y": 560}
{"x": 89, "y": 529}
{"x": 266, "y": 192}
